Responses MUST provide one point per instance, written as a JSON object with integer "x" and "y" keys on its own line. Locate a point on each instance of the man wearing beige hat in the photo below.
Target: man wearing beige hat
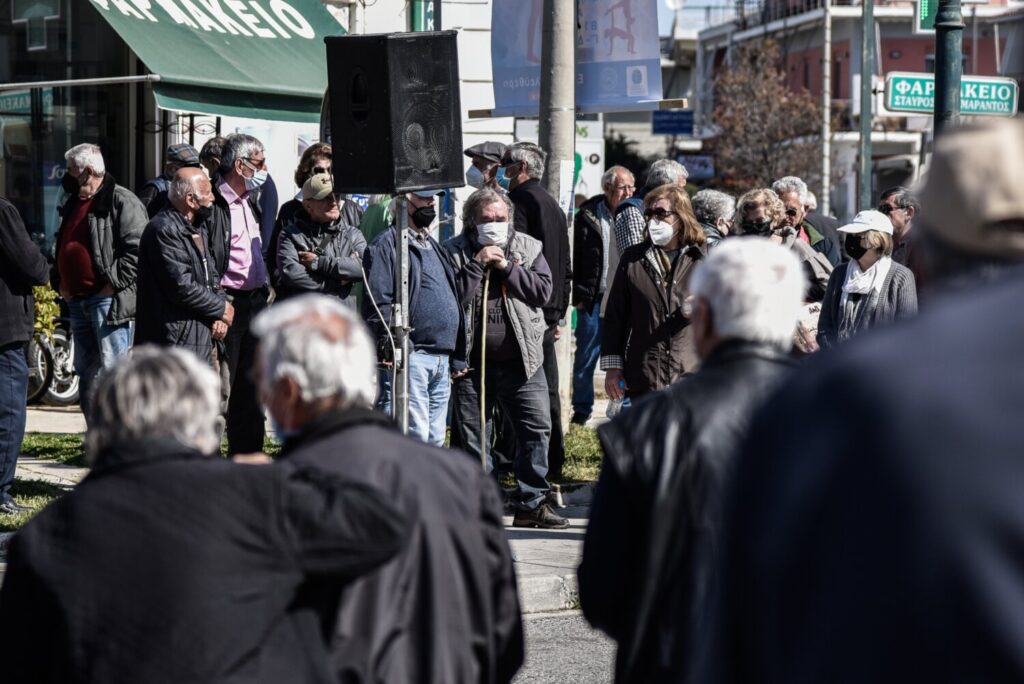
{"x": 318, "y": 252}
{"x": 886, "y": 532}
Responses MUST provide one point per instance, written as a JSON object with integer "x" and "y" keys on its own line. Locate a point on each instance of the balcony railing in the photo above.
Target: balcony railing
{"x": 751, "y": 13}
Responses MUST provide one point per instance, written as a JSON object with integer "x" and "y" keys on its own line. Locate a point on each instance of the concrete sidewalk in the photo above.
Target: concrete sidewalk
{"x": 546, "y": 560}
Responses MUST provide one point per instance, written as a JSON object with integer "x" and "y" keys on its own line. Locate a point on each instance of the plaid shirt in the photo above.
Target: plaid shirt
{"x": 629, "y": 227}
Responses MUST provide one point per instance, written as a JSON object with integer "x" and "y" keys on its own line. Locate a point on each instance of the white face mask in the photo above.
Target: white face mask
{"x": 492, "y": 233}
{"x": 660, "y": 231}
{"x": 475, "y": 177}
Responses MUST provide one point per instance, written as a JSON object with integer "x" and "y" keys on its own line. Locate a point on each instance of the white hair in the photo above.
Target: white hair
{"x": 531, "y": 153}
{"x": 791, "y": 184}
{"x": 754, "y": 288}
{"x": 609, "y": 177}
{"x": 182, "y": 185}
{"x": 665, "y": 171}
{"x": 156, "y": 393}
{"x": 811, "y": 202}
{"x": 711, "y": 205}
{"x": 238, "y": 146}
{"x": 322, "y": 345}
{"x": 85, "y": 156}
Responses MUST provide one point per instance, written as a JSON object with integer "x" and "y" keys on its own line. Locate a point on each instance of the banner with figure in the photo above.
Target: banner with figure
{"x": 618, "y": 61}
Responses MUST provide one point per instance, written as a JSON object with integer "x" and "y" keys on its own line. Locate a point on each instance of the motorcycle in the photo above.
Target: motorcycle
{"x": 52, "y": 378}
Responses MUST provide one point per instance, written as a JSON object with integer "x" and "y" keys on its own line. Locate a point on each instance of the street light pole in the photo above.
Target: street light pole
{"x": 824, "y": 203}
{"x": 867, "y": 70}
{"x": 949, "y": 64}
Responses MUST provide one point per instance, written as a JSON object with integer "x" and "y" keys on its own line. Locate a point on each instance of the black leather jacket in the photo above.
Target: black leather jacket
{"x": 667, "y": 463}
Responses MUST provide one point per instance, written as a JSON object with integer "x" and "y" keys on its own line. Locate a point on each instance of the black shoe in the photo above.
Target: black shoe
{"x": 579, "y": 419}
{"x": 542, "y": 516}
{"x": 12, "y": 508}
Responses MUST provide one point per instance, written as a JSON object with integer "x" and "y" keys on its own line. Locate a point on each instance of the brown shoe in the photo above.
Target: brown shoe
{"x": 542, "y": 516}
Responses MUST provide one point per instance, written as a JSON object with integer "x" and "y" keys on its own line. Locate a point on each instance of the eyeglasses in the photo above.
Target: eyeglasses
{"x": 627, "y": 188}
{"x": 658, "y": 213}
{"x": 256, "y": 164}
{"x": 317, "y": 170}
{"x": 887, "y": 208}
{"x": 791, "y": 213}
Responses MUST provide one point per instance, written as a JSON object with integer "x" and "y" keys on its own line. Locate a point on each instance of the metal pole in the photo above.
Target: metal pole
{"x": 824, "y": 204}
{"x": 558, "y": 135}
{"x": 400, "y": 318}
{"x": 949, "y": 65}
{"x": 867, "y": 70}
{"x": 974, "y": 39}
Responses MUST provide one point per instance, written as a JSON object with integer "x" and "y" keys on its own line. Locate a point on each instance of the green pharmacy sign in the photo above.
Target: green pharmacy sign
{"x": 914, "y": 93}
{"x": 924, "y": 15}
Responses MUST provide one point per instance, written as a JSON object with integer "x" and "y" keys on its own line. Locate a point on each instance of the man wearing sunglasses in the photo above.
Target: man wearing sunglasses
{"x": 794, "y": 195}
{"x": 900, "y": 205}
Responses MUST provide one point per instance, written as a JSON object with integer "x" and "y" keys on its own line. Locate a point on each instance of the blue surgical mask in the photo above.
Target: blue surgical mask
{"x": 475, "y": 177}
{"x": 503, "y": 181}
{"x": 258, "y": 179}
{"x": 282, "y": 435}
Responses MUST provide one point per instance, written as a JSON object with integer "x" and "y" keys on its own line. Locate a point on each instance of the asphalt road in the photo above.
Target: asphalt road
{"x": 561, "y": 648}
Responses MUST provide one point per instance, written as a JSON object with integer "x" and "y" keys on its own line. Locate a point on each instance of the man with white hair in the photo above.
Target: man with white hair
{"x": 715, "y": 210}
{"x": 446, "y": 609}
{"x": 630, "y": 222}
{"x": 649, "y": 558}
{"x": 97, "y": 250}
{"x": 169, "y": 564}
{"x": 181, "y": 302}
{"x": 794, "y": 195}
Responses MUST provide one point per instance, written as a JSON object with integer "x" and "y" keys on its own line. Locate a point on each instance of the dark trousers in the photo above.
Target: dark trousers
{"x": 556, "y": 447}
{"x": 13, "y": 390}
{"x": 525, "y": 402}
{"x": 245, "y": 421}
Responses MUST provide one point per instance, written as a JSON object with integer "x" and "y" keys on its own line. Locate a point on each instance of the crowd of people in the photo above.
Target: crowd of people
{"x": 775, "y": 502}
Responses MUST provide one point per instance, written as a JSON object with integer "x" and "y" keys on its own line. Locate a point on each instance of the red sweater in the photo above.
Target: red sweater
{"x": 74, "y": 257}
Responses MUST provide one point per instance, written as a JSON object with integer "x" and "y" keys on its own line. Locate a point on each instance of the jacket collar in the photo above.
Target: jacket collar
{"x": 733, "y": 350}
{"x": 103, "y": 200}
{"x": 139, "y": 452}
{"x": 332, "y": 422}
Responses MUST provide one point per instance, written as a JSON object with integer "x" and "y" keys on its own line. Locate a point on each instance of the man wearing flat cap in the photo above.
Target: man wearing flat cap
{"x": 318, "y": 251}
{"x": 154, "y": 192}
{"x": 485, "y": 169}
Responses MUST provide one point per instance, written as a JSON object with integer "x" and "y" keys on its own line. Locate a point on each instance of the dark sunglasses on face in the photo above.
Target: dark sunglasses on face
{"x": 887, "y": 208}
{"x": 791, "y": 213}
{"x": 660, "y": 214}
{"x": 759, "y": 227}
{"x": 317, "y": 170}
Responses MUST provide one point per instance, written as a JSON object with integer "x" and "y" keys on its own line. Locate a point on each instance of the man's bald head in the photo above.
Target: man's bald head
{"x": 190, "y": 189}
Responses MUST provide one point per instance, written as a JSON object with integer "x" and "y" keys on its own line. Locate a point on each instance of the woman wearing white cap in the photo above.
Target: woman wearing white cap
{"x": 869, "y": 289}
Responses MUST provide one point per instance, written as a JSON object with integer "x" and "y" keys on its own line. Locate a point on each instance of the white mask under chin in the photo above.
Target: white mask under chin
{"x": 661, "y": 232}
{"x": 496, "y": 233}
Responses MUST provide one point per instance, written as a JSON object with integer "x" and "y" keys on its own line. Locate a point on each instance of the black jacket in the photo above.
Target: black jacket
{"x": 22, "y": 265}
{"x": 878, "y": 541}
{"x": 829, "y": 228}
{"x": 351, "y": 214}
{"x": 588, "y": 253}
{"x": 179, "y": 292}
{"x": 167, "y": 566}
{"x": 538, "y": 215}
{"x": 336, "y": 270}
{"x": 445, "y": 610}
{"x": 218, "y": 227}
{"x": 649, "y": 559}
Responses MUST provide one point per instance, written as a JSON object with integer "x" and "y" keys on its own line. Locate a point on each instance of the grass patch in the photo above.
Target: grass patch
{"x": 582, "y": 455}
{"x": 37, "y": 495}
{"x": 68, "y": 449}
{"x": 271, "y": 447}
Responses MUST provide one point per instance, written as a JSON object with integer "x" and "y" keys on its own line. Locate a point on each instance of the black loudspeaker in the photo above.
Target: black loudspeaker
{"x": 395, "y": 114}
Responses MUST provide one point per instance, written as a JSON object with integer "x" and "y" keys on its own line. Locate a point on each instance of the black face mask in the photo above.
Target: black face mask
{"x": 200, "y": 215}
{"x": 853, "y": 246}
{"x": 762, "y": 227}
{"x": 423, "y": 217}
{"x": 69, "y": 183}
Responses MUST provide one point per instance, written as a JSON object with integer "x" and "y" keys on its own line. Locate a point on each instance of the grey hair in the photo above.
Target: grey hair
{"x": 665, "y": 171}
{"x": 156, "y": 393}
{"x": 711, "y": 205}
{"x": 183, "y": 184}
{"x": 534, "y": 156}
{"x": 811, "y": 202}
{"x": 754, "y": 288}
{"x": 902, "y": 196}
{"x": 238, "y": 146}
{"x": 481, "y": 198}
{"x": 87, "y": 155}
{"x": 608, "y": 177}
{"x": 791, "y": 184}
{"x": 322, "y": 345}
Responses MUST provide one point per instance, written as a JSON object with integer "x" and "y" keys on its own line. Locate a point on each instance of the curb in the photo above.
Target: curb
{"x": 548, "y": 594}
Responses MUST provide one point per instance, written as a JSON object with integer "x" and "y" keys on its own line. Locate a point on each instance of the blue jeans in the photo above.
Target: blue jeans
{"x": 588, "y": 351}
{"x": 429, "y": 389}
{"x": 13, "y": 389}
{"x": 98, "y": 344}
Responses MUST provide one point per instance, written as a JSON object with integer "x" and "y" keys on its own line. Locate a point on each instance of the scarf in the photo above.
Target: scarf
{"x": 860, "y": 291}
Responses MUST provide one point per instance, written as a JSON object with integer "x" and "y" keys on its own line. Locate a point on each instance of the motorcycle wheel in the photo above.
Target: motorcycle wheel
{"x": 40, "y": 370}
{"x": 63, "y": 390}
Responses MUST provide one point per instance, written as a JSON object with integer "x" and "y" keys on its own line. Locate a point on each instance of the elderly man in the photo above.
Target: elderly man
{"x": 97, "y": 248}
{"x": 715, "y": 210}
{"x": 318, "y": 252}
{"x": 458, "y": 621}
{"x": 168, "y": 565}
{"x": 649, "y": 558}
{"x": 210, "y": 156}
{"x": 900, "y": 205}
{"x": 233, "y": 237}
{"x": 503, "y": 272}
{"x": 794, "y": 195}
{"x": 594, "y": 257}
{"x": 181, "y": 302}
{"x": 154, "y": 192}
{"x": 630, "y": 222}
{"x": 538, "y": 215}
{"x": 434, "y": 316}
{"x": 485, "y": 163}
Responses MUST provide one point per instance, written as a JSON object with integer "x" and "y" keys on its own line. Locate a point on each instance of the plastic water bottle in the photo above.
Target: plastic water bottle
{"x": 615, "y": 405}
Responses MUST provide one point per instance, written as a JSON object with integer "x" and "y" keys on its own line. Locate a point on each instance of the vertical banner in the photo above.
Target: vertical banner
{"x": 618, "y": 60}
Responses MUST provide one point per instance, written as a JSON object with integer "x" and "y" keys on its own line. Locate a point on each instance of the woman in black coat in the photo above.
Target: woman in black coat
{"x": 869, "y": 289}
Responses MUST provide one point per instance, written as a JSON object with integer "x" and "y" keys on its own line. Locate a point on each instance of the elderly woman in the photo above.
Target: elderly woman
{"x": 761, "y": 212}
{"x": 646, "y": 343}
{"x": 715, "y": 210}
{"x": 870, "y": 289}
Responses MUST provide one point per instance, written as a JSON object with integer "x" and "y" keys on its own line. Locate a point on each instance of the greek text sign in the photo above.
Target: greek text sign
{"x": 979, "y": 95}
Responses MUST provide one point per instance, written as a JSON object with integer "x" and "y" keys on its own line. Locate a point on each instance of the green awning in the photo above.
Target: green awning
{"x": 261, "y": 59}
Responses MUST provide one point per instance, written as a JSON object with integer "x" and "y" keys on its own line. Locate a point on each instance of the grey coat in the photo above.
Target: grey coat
{"x": 334, "y": 272}
{"x": 527, "y": 287}
{"x": 898, "y": 299}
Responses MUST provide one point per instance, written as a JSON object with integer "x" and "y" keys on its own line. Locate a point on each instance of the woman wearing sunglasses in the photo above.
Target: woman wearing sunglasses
{"x": 646, "y": 340}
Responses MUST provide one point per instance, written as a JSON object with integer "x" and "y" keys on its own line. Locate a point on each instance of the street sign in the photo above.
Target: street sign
{"x": 672, "y": 122}
{"x": 914, "y": 93}
{"x": 925, "y": 12}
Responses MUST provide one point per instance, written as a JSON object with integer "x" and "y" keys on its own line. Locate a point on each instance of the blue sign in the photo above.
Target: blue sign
{"x": 672, "y": 122}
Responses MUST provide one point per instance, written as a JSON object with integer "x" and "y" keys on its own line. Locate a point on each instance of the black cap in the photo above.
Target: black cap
{"x": 491, "y": 151}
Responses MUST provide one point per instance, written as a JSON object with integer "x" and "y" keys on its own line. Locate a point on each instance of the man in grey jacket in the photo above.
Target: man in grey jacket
{"x": 318, "y": 252}
{"x": 505, "y": 271}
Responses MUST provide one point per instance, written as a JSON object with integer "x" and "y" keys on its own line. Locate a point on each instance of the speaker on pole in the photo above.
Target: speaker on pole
{"x": 396, "y": 117}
